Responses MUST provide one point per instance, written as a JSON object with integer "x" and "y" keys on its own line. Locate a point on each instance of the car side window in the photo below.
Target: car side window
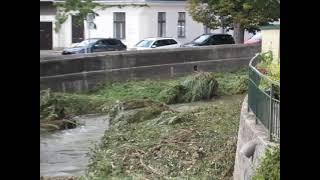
{"x": 212, "y": 40}
{"x": 227, "y": 39}
{"x": 230, "y": 38}
{"x": 112, "y": 42}
{"x": 223, "y": 38}
{"x": 167, "y": 42}
{"x": 217, "y": 38}
{"x": 106, "y": 42}
{"x": 159, "y": 43}
{"x": 173, "y": 41}
{"x": 156, "y": 44}
{"x": 99, "y": 43}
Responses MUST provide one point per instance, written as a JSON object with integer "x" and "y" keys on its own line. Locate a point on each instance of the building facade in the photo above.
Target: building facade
{"x": 162, "y": 18}
{"x": 271, "y": 40}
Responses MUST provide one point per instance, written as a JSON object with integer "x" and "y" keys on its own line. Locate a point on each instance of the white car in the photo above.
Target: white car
{"x": 156, "y": 43}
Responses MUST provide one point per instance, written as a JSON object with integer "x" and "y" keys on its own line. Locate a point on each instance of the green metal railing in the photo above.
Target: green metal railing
{"x": 264, "y": 102}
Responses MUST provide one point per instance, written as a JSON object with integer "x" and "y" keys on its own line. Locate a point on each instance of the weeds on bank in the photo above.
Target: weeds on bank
{"x": 203, "y": 85}
{"x": 200, "y": 144}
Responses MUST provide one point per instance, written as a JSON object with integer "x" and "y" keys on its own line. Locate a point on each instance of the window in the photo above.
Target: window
{"x": 113, "y": 42}
{"x": 161, "y": 24}
{"x": 86, "y": 43}
{"x": 201, "y": 39}
{"x": 181, "y": 24}
{"x": 101, "y": 42}
{"x": 119, "y": 25}
{"x": 166, "y": 42}
{"x": 212, "y": 40}
{"x": 172, "y": 41}
{"x": 77, "y": 29}
{"x": 144, "y": 43}
{"x": 160, "y": 43}
{"x": 216, "y": 39}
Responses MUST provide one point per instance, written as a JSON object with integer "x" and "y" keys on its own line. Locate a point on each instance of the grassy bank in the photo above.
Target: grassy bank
{"x": 200, "y": 144}
{"x": 76, "y": 104}
{"x": 153, "y": 141}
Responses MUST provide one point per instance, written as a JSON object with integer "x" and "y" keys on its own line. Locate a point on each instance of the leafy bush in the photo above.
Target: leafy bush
{"x": 268, "y": 67}
{"x": 232, "y": 83}
{"x": 56, "y": 109}
{"x": 199, "y": 86}
{"x": 202, "y": 85}
{"x": 50, "y": 107}
{"x": 269, "y": 169}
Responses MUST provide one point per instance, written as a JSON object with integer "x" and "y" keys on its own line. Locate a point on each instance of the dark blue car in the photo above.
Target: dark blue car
{"x": 96, "y": 45}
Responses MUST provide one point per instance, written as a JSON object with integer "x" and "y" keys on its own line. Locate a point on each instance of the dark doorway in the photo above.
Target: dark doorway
{"x": 45, "y": 35}
{"x": 77, "y": 30}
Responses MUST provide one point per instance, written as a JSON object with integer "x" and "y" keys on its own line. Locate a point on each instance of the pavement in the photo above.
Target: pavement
{"x": 49, "y": 53}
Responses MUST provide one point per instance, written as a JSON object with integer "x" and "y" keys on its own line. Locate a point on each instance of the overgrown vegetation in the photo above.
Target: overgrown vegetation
{"x": 269, "y": 169}
{"x": 204, "y": 85}
{"x": 269, "y": 67}
{"x": 196, "y": 144}
{"x": 56, "y": 108}
{"x": 150, "y": 140}
{"x": 199, "y": 86}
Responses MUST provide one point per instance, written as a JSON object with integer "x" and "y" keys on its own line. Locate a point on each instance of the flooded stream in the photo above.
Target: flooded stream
{"x": 64, "y": 153}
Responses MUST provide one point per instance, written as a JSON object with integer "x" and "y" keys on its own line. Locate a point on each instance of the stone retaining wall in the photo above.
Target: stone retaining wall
{"x": 78, "y": 73}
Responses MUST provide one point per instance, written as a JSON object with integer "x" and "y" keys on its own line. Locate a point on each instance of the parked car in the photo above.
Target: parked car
{"x": 211, "y": 39}
{"x": 96, "y": 45}
{"x": 256, "y": 39}
{"x": 158, "y": 43}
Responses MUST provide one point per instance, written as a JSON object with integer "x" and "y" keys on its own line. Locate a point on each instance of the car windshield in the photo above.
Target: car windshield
{"x": 86, "y": 43}
{"x": 201, "y": 39}
{"x": 144, "y": 43}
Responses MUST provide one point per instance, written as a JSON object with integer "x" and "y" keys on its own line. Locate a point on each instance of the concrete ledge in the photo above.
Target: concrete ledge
{"x": 81, "y": 73}
{"x": 84, "y": 81}
{"x": 129, "y": 59}
{"x": 249, "y": 133}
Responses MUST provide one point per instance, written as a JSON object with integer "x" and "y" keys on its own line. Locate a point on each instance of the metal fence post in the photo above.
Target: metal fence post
{"x": 271, "y": 113}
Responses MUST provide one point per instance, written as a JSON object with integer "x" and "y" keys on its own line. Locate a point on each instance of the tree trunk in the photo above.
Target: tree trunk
{"x": 238, "y": 33}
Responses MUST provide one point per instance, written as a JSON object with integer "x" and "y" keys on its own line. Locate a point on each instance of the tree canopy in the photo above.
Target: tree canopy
{"x": 239, "y": 15}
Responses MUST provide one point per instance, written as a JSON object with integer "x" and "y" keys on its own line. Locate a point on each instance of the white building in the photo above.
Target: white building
{"x": 162, "y": 18}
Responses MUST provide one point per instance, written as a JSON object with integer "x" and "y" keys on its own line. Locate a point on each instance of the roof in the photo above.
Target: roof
{"x": 216, "y": 34}
{"x": 270, "y": 27}
{"x": 157, "y": 38}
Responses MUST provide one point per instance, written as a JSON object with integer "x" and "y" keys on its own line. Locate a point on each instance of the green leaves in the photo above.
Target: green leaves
{"x": 269, "y": 168}
{"x": 269, "y": 66}
{"x": 249, "y": 13}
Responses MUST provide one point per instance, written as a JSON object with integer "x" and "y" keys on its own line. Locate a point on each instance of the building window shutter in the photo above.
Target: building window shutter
{"x": 181, "y": 24}
{"x": 161, "y": 24}
{"x": 119, "y": 25}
